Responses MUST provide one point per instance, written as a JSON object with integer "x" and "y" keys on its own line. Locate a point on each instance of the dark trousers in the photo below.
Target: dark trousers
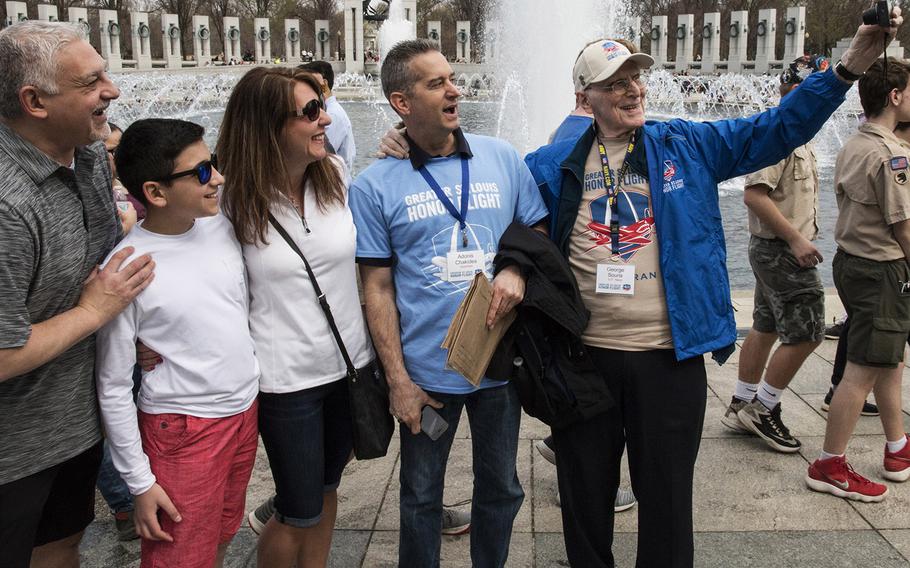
{"x": 840, "y": 356}
{"x": 659, "y": 413}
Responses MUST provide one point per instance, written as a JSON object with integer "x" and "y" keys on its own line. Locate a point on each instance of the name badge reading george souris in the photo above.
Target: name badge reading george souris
{"x": 615, "y": 279}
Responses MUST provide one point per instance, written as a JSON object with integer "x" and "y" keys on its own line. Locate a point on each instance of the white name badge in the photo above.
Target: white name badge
{"x": 615, "y": 279}
{"x": 463, "y": 265}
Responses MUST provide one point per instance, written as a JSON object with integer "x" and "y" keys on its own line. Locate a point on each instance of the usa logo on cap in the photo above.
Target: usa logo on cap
{"x": 612, "y": 50}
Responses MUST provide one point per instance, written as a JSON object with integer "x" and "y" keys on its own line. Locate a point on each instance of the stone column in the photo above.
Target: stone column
{"x": 739, "y": 36}
{"x": 16, "y": 12}
{"x": 765, "y": 32}
{"x": 659, "y": 40}
{"x": 170, "y": 41}
{"x": 353, "y": 36}
{"x": 684, "y": 40}
{"x": 263, "y": 41}
{"x": 79, "y": 16}
{"x": 202, "y": 41}
{"x": 710, "y": 46}
{"x": 463, "y": 41}
{"x": 231, "y": 27}
{"x": 110, "y": 39}
{"x": 632, "y": 32}
{"x": 46, "y": 12}
{"x": 142, "y": 48}
{"x": 434, "y": 31}
{"x": 323, "y": 40}
{"x": 794, "y": 33}
{"x": 292, "y": 41}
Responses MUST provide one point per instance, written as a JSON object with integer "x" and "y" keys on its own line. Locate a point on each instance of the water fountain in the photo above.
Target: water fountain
{"x": 396, "y": 28}
{"x": 530, "y": 92}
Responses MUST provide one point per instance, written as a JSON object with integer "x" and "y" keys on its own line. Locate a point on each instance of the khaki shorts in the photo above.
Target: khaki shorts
{"x": 878, "y": 308}
{"x": 789, "y": 299}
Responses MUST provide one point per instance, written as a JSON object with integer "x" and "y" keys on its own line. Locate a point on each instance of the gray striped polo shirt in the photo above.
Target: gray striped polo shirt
{"x": 56, "y": 224}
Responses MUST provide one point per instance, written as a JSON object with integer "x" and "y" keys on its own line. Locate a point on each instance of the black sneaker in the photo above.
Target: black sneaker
{"x": 869, "y": 409}
{"x": 731, "y": 420}
{"x": 834, "y": 330}
{"x": 768, "y": 426}
{"x": 261, "y": 515}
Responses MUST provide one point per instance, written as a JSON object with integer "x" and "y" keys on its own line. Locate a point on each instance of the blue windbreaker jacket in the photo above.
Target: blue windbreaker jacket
{"x": 684, "y": 161}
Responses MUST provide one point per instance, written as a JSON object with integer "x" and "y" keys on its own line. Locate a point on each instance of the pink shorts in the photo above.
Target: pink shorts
{"x": 204, "y": 465}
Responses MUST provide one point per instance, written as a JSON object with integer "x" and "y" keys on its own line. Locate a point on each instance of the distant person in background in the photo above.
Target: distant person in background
{"x": 340, "y": 132}
{"x": 873, "y": 281}
{"x": 789, "y": 296}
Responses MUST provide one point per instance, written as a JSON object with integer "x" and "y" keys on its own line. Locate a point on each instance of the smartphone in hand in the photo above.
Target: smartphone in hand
{"x": 431, "y": 423}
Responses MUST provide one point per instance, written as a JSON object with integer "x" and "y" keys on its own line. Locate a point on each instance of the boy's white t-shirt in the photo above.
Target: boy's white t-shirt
{"x": 195, "y": 314}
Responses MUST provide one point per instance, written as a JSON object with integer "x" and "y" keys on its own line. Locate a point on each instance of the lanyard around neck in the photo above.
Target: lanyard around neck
{"x": 613, "y": 186}
{"x": 460, "y": 215}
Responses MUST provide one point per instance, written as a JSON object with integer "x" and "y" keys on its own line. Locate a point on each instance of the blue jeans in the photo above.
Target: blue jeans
{"x": 494, "y": 415}
{"x": 110, "y": 484}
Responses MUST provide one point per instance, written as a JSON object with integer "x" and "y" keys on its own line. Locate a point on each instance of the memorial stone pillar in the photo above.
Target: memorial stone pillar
{"x": 463, "y": 41}
{"x": 170, "y": 41}
{"x": 141, "y": 33}
{"x": 684, "y": 41}
{"x": 202, "y": 41}
{"x": 47, "y": 13}
{"x": 16, "y": 12}
{"x": 353, "y": 36}
{"x": 292, "y": 41}
{"x": 323, "y": 40}
{"x": 765, "y": 32}
{"x": 263, "y": 43}
{"x": 739, "y": 36}
{"x": 794, "y": 33}
{"x": 710, "y": 45}
{"x": 231, "y": 27}
{"x": 659, "y": 40}
{"x": 109, "y": 22}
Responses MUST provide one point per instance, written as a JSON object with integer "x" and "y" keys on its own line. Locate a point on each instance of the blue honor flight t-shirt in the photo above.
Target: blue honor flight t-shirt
{"x": 402, "y": 223}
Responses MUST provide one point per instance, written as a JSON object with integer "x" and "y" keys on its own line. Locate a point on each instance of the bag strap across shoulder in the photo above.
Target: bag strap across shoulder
{"x": 320, "y": 295}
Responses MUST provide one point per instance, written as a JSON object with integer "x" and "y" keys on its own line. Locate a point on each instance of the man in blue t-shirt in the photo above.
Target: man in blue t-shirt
{"x": 424, "y": 227}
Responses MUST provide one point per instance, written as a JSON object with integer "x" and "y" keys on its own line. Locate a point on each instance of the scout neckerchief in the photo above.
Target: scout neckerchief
{"x": 462, "y": 215}
{"x": 613, "y": 187}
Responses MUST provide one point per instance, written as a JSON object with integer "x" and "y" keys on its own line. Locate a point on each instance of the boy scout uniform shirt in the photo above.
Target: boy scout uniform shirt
{"x": 637, "y": 322}
{"x": 793, "y": 184}
{"x": 872, "y": 186}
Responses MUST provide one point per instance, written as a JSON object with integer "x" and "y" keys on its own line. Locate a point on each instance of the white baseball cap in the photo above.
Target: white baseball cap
{"x": 600, "y": 59}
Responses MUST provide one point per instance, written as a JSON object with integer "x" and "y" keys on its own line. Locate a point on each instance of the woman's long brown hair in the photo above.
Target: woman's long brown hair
{"x": 249, "y": 151}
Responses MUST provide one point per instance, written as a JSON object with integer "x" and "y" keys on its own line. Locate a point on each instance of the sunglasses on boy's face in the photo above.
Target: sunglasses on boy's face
{"x": 310, "y": 110}
{"x": 202, "y": 171}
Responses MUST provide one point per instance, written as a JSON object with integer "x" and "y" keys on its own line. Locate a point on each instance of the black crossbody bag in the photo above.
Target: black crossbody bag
{"x": 368, "y": 391}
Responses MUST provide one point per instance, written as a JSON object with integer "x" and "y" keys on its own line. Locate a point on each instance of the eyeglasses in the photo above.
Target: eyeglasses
{"x": 621, "y": 86}
{"x": 310, "y": 110}
{"x": 202, "y": 171}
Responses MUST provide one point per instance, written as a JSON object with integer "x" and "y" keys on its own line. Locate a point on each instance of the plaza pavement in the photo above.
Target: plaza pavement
{"x": 751, "y": 504}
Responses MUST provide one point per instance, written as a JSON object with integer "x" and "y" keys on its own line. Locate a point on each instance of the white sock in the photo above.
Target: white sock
{"x": 768, "y": 395}
{"x": 745, "y": 391}
{"x": 826, "y": 456}
{"x": 897, "y": 446}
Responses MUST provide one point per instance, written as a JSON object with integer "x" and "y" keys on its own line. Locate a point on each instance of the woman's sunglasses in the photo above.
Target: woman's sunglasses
{"x": 310, "y": 110}
{"x": 202, "y": 171}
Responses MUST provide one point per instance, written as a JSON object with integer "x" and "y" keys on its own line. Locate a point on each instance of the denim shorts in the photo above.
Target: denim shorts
{"x": 308, "y": 438}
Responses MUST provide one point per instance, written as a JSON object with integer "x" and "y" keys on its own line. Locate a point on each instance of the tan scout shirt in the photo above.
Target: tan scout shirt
{"x": 872, "y": 185}
{"x": 793, "y": 184}
{"x": 636, "y": 322}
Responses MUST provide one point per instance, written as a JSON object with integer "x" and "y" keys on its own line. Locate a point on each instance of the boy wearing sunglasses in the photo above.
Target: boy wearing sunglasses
{"x": 190, "y": 450}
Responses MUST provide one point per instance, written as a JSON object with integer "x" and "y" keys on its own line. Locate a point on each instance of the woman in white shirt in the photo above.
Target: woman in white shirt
{"x": 272, "y": 151}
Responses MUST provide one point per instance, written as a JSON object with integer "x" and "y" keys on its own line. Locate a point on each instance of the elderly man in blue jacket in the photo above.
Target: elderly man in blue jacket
{"x": 634, "y": 207}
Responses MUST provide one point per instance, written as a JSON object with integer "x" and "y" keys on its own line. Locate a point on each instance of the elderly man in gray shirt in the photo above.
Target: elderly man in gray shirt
{"x": 57, "y": 222}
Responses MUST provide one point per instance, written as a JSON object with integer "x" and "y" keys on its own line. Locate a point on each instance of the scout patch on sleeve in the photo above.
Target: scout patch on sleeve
{"x": 899, "y": 163}
{"x": 900, "y": 177}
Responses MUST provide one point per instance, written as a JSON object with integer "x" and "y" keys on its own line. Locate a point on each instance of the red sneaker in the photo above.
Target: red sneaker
{"x": 897, "y": 464}
{"x": 837, "y": 477}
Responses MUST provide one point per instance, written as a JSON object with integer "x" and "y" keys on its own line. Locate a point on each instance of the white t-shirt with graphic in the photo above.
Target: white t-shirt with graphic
{"x": 630, "y": 310}
{"x": 399, "y": 218}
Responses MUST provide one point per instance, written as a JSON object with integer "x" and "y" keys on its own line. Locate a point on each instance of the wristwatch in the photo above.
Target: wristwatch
{"x": 844, "y": 73}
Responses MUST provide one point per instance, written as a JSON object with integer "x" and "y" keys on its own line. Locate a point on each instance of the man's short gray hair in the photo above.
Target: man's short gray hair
{"x": 29, "y": 54}
{"x": 396, "y": 74}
